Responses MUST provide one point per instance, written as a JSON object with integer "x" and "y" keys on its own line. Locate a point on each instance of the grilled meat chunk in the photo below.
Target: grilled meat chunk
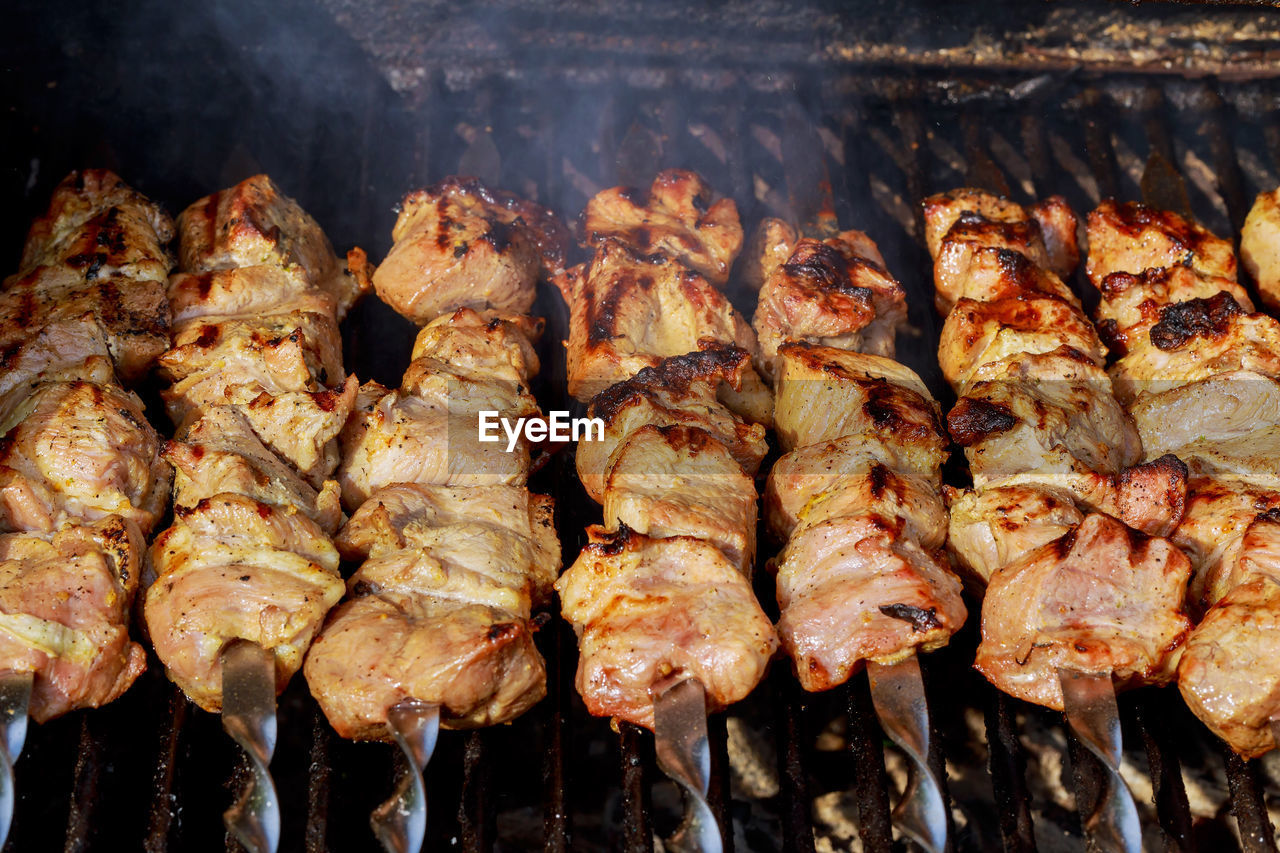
{"x": 628, "y": 311}
{"x": 825, "y": 393}
{"x": 64, "y": 351}
{"x": 132, "y": 312}
{"x": 219, "y": 452}
{"x": 440, "y": 611}
{"x": 1224, "y": 407}
{"x": 100, "y": 227}
{"x": 1131, "y": 237}
{"x": 854, "y": 588}
{"x": 1132, "y": 304}
{"x": 458, "y": 244}
{"x": 482, "y": 345}
{"x": 1219, "y": 512}
{"x": 996, "y": 273}
{"x": 1051, "y": 414}
{"x": 680, "y": 481}
{"x": 962, "y": 224}
{"x": 648, "y": 611}
{"x": 64, "y": 610}
{"x": 1104, "y": 599}
{"x": 1196, "y": 340}
{"x": 1228, "y": 674}
{"x": 79, "y": 451}
{"x": 1260, "y": 246}
{"x": 979, "y": 338}
{"x": 254, "y": 224}
{"x": 834, "y": 292}
{"x": 678, "y": 217}
{"x": 679, "y": 390}
{"x": 231, "y": 568}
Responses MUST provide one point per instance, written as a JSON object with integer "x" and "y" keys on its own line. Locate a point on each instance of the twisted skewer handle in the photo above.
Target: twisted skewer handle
{"x": 15, "y": 699}
{"x": 897, "y": 691}
{"x": 400, "y": 823}
{"x": 684, "y": 754}
{"x": 249, "y": 716}
{"x": 1089, "y": 702}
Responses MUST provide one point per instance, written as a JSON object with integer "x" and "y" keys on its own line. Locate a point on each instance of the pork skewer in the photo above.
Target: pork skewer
{"x": 1077, "y": 602}
{"x": 660, "y": 598}
{"x": 456, "y": 553}
{"x": 244, "y": 577}
{"x": 856, "y": 498}
{"x": 81, "y": 478}
{"x": 1198, "y": 369}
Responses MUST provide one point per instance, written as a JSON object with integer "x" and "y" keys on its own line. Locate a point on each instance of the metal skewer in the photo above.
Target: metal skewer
{"x": 400, "y": 823}
{"x": 249, "y": 716}
{"x": 1089, "y": 702}
{"x": 684, "y": 754}
{"x": 897, "y": 692}
{"x": 15, "y": 699}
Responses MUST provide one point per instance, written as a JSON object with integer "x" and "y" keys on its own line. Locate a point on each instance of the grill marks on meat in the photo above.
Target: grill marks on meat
{"x": 81, "y": 478}
{"x": 459, "y": 244}
{"x": 440, "y": 609}
{"x": 260, "y": 394}
{"x": 1131, "y": 237}
{"x": 456, "y": 552}
{"x": 647, "y": 610}
{"x": 678, "y": 217}
{"x": 1058, "y": 520}
{"x": 834, "y": 292}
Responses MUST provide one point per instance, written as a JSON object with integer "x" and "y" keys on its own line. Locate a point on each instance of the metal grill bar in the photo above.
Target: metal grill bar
{"x": 870, "y": 783}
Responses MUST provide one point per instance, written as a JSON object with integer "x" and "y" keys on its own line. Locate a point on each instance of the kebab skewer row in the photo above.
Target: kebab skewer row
{"x": 1199, "y": 372}
{"x": 456, "y": 553}
{"x": 1083, "y": 593}
{"x": 668, "y": 626}
{"x": 856, "y": 497}
{"x": 242, "y": 580}
{"x": 81, "y": 478}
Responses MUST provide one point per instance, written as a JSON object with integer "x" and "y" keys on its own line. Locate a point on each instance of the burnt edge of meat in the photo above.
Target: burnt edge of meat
{"x": 971, "y": 222}
{"x": 1195, "y": 318}
{"x": 973, "y": 420}
{"x": 1132, "y": 217}
{"x": 920, "y": 619}
{"x": 549, "y": 234}
{"x": 826, "y": 267}
{"x": 715, "y": 362}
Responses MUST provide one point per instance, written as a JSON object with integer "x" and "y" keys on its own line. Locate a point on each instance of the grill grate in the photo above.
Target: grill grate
{"x": 151, "y": 771}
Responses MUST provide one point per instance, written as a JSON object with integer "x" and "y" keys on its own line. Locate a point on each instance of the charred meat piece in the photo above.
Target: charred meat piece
{"x": 1131, "y": 237}
{"x": 960, "y": 225}
{"x": 458, "y": 244}
{"x": 254, "y": 224}
{"x": 1104, "y": 599}
{"x": 440, "y": 610}
{"x": 834, "y": 292}
{"x": 1228, "y": 674}
{"x": 1132, "y": 303}
{"x": 232, "y": 567}
{"x": 649, "y": 610}
{"x": 79, "y": 451}
{"x": 769, "y": 247}
{"x": 64, "y": 610}
{"x": 482, "y": 345}
{"x": 824, "y": 393}
{"x": 854, "y": 588}
{"x": 979, "y": 338}
{"x": 678, "y": 217}
{"x": 681, "y": 390}
{"x": 628, "y": 311}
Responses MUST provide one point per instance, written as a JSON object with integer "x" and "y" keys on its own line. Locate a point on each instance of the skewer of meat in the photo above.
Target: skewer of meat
{"x": 81, "y": 478}
{"x": 856, "y": 497}
{"x": 1199, "y": 372}
{"x": 244, "y": 577}
{"x": 660, "y": 598}
{"x": 456, "y": 553}
{"x": 1083, "y": 593}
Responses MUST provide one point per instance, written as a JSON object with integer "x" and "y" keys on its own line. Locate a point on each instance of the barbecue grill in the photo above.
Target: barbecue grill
{"x": 347, "y": 103}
